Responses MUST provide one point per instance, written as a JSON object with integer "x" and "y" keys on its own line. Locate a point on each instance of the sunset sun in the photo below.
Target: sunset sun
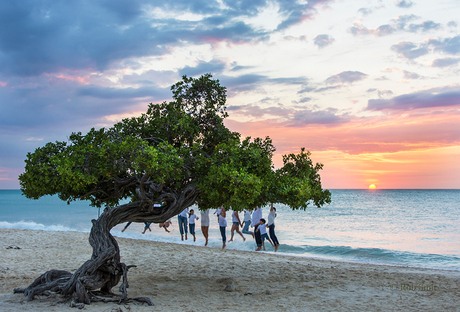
{"x": 372, "y": 187}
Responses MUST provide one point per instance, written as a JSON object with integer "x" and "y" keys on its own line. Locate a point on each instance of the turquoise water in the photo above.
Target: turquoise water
{"x": 417, "y": 228}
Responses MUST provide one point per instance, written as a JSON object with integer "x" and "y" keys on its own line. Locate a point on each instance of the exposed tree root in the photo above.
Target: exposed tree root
{"x": 94, "y": 280}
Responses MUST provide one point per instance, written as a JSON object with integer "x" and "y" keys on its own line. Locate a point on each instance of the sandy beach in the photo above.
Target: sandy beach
{"x": 192, "y": 278}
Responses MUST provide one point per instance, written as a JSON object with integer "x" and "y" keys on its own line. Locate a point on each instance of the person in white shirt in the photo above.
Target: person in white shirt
{"x": 205, "y": 224}
{"x": 262, "y": 229}
{"x": 236, "y": 223}
{"x": 222, "y": 225}
{"x": 182, "y": 218}
{"x": 247, "y": 222}
{"x": 256, "y": 216}
{"x": 191, "y": 223}
{"x": 271, "y": 227}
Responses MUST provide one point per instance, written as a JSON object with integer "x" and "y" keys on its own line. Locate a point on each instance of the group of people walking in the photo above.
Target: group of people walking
{"x": 251, "y": 218}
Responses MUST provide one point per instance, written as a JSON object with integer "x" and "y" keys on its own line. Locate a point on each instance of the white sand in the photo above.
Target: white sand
{"x": 188, "y": 278}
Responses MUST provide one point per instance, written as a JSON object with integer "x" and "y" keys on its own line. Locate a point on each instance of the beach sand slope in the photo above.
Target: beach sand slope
{"x": 191, "y": 278}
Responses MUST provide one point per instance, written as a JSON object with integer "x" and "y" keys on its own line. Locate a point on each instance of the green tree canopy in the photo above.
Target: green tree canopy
{"x": 175, "y": 147}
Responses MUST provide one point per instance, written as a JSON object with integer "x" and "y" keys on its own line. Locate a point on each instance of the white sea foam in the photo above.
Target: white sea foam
{"x": 29, "y": 225}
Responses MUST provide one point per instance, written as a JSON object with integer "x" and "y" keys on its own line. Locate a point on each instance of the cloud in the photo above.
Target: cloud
{"x": 214, "y": 67}
{"x": 396, "y": 24}
{"x": 293, "y": 116}
{"x": 295, "y": 12}
{"x": 306, "y": 89}
{"x": 411, "y": 75}
{"x": 381, "y": 78}
{"x": 240, "y": 67}
{"x": 365, "y": 11}
{"x": 424, "y": 26}
{"x": 447, "y": 45}
{"x": 251, "y": 82}
{"x": 319, "y": 90}
{"x": 124, "y": 93}
{"x": 305, "y": 99}
{"x": 346, "y": 77}
{"x": 92, "y": 35}
{"x": 401, "y": 21}
{"x": 359, "y": 29}
{"x": 445, "y": 62}
{"x": 404, "y": 3}
{"x": 438, "y": 97}
{"x": 323, "y": 40}
{"x": 374, "y": 134}
{"x": 452, "y": 24}
{"x": 409, "y": 50}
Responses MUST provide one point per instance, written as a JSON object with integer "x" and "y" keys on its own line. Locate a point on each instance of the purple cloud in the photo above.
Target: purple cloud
{"x": 410, "y": 75}
{"x": 404, "y": 3}
{"x": 424, "y": 26}
{"x": 50, "y": 36}
{"x": 346, "y": 77}
{"x": 447, "y": 45}
{"x": 294, "y": 116}
{"x": 360, "y": 30}
{"x": 445, "y": 62}
{"x": 409, "y": 50}
{"x": 439, "y": 97}
{"x": 323, "y": 40}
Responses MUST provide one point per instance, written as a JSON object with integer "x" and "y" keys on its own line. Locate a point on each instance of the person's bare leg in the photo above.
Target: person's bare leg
{"x": 194, "y": 238}
{"x": 182, "y": 237}
{"x": 276, "y": 247}
{"x": 271, "y": 242}
{"x": 241, "y": 234}
{"x": 263, "y": 244}
{"x": 185, "y": 236}
{"x": 223, "y": 245}
{"x": 233, "y": 232}
{"x": 204, "y": 230}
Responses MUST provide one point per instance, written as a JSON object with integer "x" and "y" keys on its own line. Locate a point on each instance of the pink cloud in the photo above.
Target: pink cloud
{"x": 407, "y": 151}
{"x": 82, "y": 80}
{"x": 3, "y": 84}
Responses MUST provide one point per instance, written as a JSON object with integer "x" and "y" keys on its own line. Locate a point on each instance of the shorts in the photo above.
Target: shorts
{"x": 263, "y": 236}
{"x": 236, "y": 223}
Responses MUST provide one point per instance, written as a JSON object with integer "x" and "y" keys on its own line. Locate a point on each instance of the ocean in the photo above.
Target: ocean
{"x": 414, "y": 228}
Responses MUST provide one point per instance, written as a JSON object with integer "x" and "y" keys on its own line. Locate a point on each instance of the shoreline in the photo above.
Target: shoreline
{"x": 193, "y": 278}
{"x": 159, "y": 237}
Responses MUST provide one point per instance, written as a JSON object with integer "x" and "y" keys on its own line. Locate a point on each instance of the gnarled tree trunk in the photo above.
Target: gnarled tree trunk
{"x": 94, "y": 280}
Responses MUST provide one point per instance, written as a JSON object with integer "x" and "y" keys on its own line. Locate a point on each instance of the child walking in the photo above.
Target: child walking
{"x": 191, "y": 223}
{"x": 262, "y": 229}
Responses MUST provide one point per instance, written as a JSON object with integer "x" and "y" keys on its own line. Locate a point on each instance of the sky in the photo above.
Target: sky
{"x": 371, "y": 88}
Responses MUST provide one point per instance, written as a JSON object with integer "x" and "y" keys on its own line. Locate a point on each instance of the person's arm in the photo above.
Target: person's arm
{"x": 271, "y": 207}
